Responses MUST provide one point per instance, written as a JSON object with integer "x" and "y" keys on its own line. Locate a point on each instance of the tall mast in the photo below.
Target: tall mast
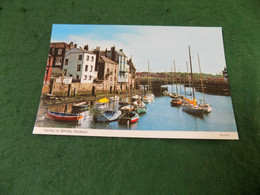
{"x": 180, "y": 79}
{"x": 114, "y": 88}
{"x": 202, "y": 87}
{"x": 125, "y": 85}
{"x": 128, "y": 84}
{"x": 175, "y": 78}
{"x": 148, "y": 78}
{"x": 172, "y": 78}
{"x": 188, "y": 75}
{"x": 193, "y": 92}
{"x": 150, "y": 82}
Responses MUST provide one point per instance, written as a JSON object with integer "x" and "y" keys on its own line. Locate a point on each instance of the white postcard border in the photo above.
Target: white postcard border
{"x": 137, "y": 134}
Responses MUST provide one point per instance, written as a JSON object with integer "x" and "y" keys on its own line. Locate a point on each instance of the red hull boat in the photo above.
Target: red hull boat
{"x": 128, "y": 118}
{"x": 59, "y": 116}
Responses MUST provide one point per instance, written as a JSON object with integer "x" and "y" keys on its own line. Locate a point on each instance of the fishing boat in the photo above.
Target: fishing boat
{"x": 81, "y": 106}
{"x": 139, "y": 107}
{"x": 128, "y": 118}
{"x": 109, "y": 116}
{"x": 65, "y": 117}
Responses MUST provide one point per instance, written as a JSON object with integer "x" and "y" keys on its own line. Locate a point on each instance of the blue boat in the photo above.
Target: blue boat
{"x": 109, "y": 116}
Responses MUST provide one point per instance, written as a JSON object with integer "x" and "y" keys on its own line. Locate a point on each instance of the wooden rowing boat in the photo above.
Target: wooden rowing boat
{"x": 128, "y": 118}
{"x": 65, "y": 117}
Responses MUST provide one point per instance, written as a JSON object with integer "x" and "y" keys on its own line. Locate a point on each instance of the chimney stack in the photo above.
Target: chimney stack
{"x": 86, "y": 47}
{"x": 113, "y": 54}
{"x": 106, "y": 52}
{"x": 71, "y": 45}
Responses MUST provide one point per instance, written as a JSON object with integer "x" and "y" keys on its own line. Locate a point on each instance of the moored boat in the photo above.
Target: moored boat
{"x": 136, "y": 97}
{"x": 166, "y": 93}
{"x": 102, "y": 103}
{"x": 141, "y": 110}
{"x": 206, "y": 107}
{"x": 190, "y": 108}
{"x": 128, "y": 118}
{"x": 81, "y": 105}
{"x": 109, "y": 116}
{"x": 59, "y": 116}
{"x": 139, "y": 107}
{"x": 127, "y": 107}
{"x": 176, "y": 102}
{"x": 148, "y": 98}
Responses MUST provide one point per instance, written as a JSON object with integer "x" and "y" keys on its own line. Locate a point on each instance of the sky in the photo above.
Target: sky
{"x": 160, "y": 46}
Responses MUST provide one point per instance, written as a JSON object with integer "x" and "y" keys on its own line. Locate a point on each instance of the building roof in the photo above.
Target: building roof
{"x": 120, "y": 53}
{"x": 59, "y": 45}
{"x": 85, "y": 51}
{"x": 107, "y": 60}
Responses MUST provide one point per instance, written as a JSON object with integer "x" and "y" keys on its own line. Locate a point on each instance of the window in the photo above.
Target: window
{"x": 91, "y": 68}
{"x": 86, "y": 68}
{"x": 80, "y": 57}
{"x": 70, "y": 75}
{"x": 86, "y": 77}
{"x": 110, "y": 78}
{"x": 87, "y": 57}
{"x": 90, "y": 77}
{"x": 59, "y": 51}
{"x": 92, "y": 58}
{"x": 66, "y": 61}
{"x": 108, "y": 71}
{"x": 77, "y": 77}
{"x": 58, "y": 60}
{"x": 78, "y": 67}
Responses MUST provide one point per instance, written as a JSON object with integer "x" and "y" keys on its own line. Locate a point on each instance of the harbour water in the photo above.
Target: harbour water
{"x": 160, "y": 116}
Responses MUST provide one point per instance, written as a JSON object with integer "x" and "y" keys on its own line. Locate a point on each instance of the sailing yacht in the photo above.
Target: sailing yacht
{"x": 149, "y": 97}
{"x": 206, "y": 107}
{"x": 176, "y": 99}
{"x": 191, "y": 106}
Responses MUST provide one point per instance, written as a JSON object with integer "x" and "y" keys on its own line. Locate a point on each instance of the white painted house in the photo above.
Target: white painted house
{"x": 121, "y": 59}
{"x": 80, "y": 65}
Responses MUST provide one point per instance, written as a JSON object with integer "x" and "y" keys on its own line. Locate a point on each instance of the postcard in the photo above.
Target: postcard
{"x": 137, "y": 82}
